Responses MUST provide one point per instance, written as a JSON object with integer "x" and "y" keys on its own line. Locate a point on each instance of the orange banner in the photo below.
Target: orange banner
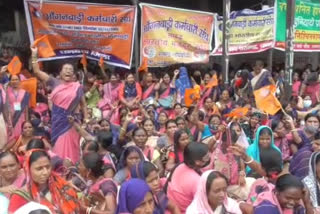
{"x": 172, "y": 35}
{"x": 75, "y": 28}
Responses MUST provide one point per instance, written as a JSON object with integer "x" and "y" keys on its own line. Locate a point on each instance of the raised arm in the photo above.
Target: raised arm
{"x": 36, "y": 69}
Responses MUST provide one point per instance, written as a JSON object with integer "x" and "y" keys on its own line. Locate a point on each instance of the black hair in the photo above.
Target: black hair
{"x": 67, "y": 63}
{"x": 39, "y": 211}
{"x": 6, "y": 153}
{"x": 148, "y": 167}
{"x": 287, "y": 181}
{"x": 271, "y": 160}
{"x": 176, "y": 138}
{"x": 126, "y": 153}
{"x": 311, "y": 115}
{"x": 189, "y": 113}
{"x": 177, "y": 104}
{"x": 38, "y": 154}
{"x": 10, "y": 77}
{"x": 92, "y": 146}
{"x": 104, "y": 139}
{"x": 317, "y": 136}
{"x": 193, "y": 152}
{"x": 213, "y": 116}
{"x": 138, "y": 129}
{"x": 24, "y": 122}
{"x": 212, "y": 176}
{"x": 100, "y": 122}
{"x": 35, "y": 144}
{"x": 265, "y": 131}
{"x": 93, "y": 162}
{"x": 147, "y": 119}
{"x": 274, "y": 124}
{"x": 170, "y": 121}
{"x": 179, "y": 118}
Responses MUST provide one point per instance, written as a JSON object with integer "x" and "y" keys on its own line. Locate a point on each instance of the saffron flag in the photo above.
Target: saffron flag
{"x": 266, "y": 100}
{"x": 14, "y": 67}
{"x": 144, "y": 66}
{"x": 45, "y": 49}
{"x": 83, "y": 60}
{"x": 30, "y": 85}
{"x": 213, "y": 82}
{"x": 192, "y": 95}
{"x": 238, "y": 112}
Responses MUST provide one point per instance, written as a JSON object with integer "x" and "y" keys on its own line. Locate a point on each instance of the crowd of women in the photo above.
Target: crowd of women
{"x": 102, "y": 143}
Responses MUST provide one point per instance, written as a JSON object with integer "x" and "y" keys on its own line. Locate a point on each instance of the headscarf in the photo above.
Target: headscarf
{"x": 131, "y": 195}
{"x": 161, "y": 199}
{"x": 200, "y": 204}
{"x": 254, "y": 149}
{"x": 122, "y": 160}
{"x": 64, "y": 197}
{"x": 183, "y": 82}
{"x": 137, "y": 171}
{"x": 311, "y": 180}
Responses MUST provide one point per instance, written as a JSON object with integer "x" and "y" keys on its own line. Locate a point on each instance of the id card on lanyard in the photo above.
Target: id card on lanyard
{"x": 16, "y": 104}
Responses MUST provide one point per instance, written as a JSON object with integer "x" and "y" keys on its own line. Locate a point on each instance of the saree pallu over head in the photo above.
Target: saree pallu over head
{"x": 22, "y": 98}
{"x": 64, "y": 197}
{"x": 267, "y": 202}
{"x": 254, "y": 149}
{"x": 110, "y": 96}
{"x": 299, "y": 164}
{"x": 161, "y": 199}
{"x": 183, "y": 82}
{"x": 65, "y": 98}
{"x": 131, "y": 195}
{"x": 311, "y": 181}
{"x": 200, "y": 204}
{"x": 260, "y": 80}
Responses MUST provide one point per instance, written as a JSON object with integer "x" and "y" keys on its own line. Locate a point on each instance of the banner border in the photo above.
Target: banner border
{"x": 31, "y": 32}
{"x": 214, "y": 16}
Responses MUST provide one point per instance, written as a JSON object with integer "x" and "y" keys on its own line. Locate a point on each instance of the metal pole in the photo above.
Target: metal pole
{"x": 136, "y": 41}
{"x": 291, "y": 7}
{"x": 225, "y": 40}
{"x": 270, "y": 60}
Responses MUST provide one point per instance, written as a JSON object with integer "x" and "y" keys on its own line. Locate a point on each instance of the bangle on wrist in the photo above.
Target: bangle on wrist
{"x": 248, "y": 162}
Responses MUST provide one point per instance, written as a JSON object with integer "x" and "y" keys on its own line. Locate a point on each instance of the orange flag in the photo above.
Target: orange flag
{"x": 30, "y": 85}
{"x": 144, "y": 66}
{"x": 213, "y": 82}
{"x": 101, "y": 62}
{"x": 238, "y": 112}
{"x": 83, "y": 60}
{"x": 44, "y": 47}
{"x": 192, "y": 95}
{"x": 266, "y": 99}
{"x": 14, "y": 67}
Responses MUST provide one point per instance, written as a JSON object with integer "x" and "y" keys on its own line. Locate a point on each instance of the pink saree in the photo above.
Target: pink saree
{"x": 3, "y": 127}
{"x": 65, "y": 98}
{"x": 18, "y": 103}
{"x": 110, "y": 96}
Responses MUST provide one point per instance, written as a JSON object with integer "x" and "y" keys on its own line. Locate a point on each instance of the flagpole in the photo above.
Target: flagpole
{"x": 270, "y": 55}
{"x": 291, "y": 7}
{"x": 136, "y": 41}
{"x": 225, "y": 40}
